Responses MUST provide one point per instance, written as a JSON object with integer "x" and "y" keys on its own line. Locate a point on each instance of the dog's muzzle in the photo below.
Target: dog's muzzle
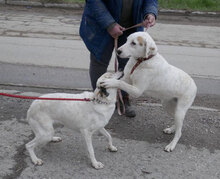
{"x": 118, "y": 52}
{"x": 104, "y": 91}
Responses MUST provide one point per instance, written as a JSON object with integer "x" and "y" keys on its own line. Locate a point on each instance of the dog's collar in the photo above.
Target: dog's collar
{"x": 139, "y": 61}
{"x": 99, "y": 101}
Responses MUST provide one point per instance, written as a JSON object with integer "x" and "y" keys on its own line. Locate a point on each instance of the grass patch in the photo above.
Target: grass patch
{"x": 62, "y": 1}
{"x": 75, "y": 1}
{"x": 191, "y": 5}
{"x": 201, "y": 5}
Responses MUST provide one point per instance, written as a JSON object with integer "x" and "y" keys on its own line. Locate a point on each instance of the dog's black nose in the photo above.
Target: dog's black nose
{"x": 119, "y": 52}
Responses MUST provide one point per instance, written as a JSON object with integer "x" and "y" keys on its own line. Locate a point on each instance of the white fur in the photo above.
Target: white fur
{"x": 85, "y": 117}
{"x": 157, "y": 78}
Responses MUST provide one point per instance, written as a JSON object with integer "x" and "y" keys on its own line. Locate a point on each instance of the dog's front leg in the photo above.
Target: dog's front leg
{"x": 108, "y": 136}
{"x": 88, "y": 138}
{"x": 130, "y": 89}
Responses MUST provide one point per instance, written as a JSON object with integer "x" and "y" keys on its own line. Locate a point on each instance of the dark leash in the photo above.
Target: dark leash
{"x": 119, "y": 96}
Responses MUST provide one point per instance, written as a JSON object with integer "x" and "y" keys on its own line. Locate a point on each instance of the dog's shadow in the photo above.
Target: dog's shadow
{"x": 144, "y": 127}
{"x": 150, "y": 121}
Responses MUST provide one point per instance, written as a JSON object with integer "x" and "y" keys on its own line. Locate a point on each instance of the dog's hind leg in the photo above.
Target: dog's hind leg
{"x": 178, "y": 119}
{"x": 181, "y": 108}
{"x": 56, "y": 139}
{"x": 183, "y": 104}
{"x": 43, "y": 135}
{"x": 30, "y": 148}
{"x": 88, "y": 139}
{"x": 170, "y": 107}
{"x": 39, "y": 140}
{"x": 104, "y": 132}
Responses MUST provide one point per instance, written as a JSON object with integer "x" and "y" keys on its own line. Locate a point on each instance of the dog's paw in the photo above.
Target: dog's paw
{"x": 170, "y": 147}
{"x": 56, "y": 139}
{"x": 110, "y": 83}
{"x": 38, "y": 162}
{"x": 169, "y": 130}
{"x": 112, "y": 149}
{"x": 98, "y": 165}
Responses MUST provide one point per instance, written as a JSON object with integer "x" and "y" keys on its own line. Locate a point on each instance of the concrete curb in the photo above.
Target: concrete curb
{"x": 185, "y": 12}
{"x": 42, "y": 4}
{"x": 81, "y": 6}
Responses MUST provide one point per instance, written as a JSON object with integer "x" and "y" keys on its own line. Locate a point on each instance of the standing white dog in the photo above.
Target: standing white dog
{"x": 147, "y": 72}
{"x": 85, "y": 117}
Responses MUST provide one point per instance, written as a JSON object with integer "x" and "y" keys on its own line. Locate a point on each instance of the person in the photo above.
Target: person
{"x": 104, "y": 20}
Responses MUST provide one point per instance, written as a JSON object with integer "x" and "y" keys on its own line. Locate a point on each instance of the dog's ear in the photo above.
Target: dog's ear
{"x": 151, "y": 48}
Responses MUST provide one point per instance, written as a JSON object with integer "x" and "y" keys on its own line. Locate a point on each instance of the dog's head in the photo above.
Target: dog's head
{"x": 102, "y": 92}
{"x": 139, "y": 44}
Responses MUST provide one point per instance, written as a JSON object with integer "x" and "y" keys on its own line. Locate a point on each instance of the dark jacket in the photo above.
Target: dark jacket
{"x": 99, "y": 14}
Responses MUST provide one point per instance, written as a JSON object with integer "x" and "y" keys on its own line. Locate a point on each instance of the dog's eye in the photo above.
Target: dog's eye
{"x": 133, "y": 43}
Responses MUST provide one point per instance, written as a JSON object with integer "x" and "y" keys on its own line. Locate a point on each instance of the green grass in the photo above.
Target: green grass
{"x": 202, "y": 5}
{"x": 62, "y": 1}
{"x": 191, "y": 5}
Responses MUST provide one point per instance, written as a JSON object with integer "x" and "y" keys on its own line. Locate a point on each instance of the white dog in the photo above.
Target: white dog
{"x": 83, "y": 116}
{"x": 147, "y": 72}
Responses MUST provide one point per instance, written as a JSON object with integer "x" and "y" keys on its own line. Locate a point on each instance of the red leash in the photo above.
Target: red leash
{"x": 43, "y": 98}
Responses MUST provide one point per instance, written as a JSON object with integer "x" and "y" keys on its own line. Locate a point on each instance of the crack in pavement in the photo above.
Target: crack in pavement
{"x": 19, "y": 159}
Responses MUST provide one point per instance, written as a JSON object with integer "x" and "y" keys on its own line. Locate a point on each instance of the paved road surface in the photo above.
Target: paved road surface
{"x": 140, "y": 143}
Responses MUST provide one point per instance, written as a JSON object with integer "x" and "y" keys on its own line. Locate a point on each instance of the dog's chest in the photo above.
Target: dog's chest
{"x": 105, "y": 111}
{"x": 100, "y": 116}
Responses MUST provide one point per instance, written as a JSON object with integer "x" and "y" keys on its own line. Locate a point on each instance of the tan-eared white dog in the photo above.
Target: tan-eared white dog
{"x": 155, "y": 77}
{"x": 83, "y": 116}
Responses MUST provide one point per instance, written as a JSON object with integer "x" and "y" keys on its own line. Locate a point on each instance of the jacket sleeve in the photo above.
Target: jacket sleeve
{"x": 150, "y": 7}
{"x": 100, "y": 13}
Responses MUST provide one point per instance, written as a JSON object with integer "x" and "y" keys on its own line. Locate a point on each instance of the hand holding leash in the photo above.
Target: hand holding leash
{"x": 149, "y": 21}
{"x": 116, "y": 31}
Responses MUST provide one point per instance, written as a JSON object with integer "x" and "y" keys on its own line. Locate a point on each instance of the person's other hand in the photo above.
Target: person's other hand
{"x": 116, "y": 31}
{"x": 149, "y": 21}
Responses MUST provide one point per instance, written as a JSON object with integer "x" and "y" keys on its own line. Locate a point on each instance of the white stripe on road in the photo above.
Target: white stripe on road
{"x": 192, "y": 107}
{"x": 9, "y": 91}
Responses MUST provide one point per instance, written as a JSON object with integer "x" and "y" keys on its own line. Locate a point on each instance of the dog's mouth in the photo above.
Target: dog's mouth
{"x": 124, "y": 57}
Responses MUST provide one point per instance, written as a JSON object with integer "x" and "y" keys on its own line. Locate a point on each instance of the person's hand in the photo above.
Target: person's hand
{"x": 149, "y": 21}
{"x": 116, "y": 31}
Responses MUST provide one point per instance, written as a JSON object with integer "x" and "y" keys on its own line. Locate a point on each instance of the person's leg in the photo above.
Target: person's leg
{"x": 129, "y": 111}
{"x": 96, "y": 70}
{"x": 99, "y": 67}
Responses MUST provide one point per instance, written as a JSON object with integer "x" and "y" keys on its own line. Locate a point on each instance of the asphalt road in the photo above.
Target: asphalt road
{"x": 140, "y": 143}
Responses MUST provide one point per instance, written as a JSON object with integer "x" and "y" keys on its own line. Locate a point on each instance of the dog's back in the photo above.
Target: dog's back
{"x": 167, "y": 81}
{"x": 70, "y": 113}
